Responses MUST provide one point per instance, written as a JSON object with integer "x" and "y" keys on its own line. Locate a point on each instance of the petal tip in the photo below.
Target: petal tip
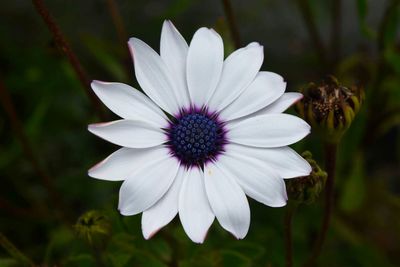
{"x": 149, "y": 235}
{"x": 198, "y": 240}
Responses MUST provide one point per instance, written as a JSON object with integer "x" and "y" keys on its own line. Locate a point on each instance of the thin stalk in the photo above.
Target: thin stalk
{"x": 16, "y": 124}
{"x": 14, "y": 252}
{"x": 64, "y": 46}
{"x": 117, "y": 21}
{"x": 291, "y": 208}
{"x": 330, "y": 167}
{"x": 336, "y": 30}
{"x": 230, "y": 15}
{"x": 374, "y": 112}
{"x": 389, "y": 11}
{"x": 174, "y": 262}
{"x": 308, "y": 17}
{"x": 122, "y": 35}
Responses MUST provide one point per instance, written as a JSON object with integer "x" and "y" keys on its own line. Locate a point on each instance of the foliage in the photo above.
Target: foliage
{"x": 55, "y": 111}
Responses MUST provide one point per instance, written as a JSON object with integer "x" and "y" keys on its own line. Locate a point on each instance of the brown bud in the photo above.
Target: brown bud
{"x": 306, "y": 189}
{"x": 330, "y": 107}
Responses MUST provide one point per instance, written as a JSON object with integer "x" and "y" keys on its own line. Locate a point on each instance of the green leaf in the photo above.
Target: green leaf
{"x": 8, "y": 262}
{"x": 354, "y": 186}
{"x": 251, "y": 250}
{"x": 34, "y": 124}
{"x": 119, "y": 259}
{"x": 101, "y": 52}
{"x": 145, "y": 259}
{"x": 221, "y": 26}
{"x": 390, "y": 30}
{"x": 82, "y": 260}
{"x": 392, "y": 57}
{"x": 234, "y": 259}
{"x": 362, "y": 8}
{"x": 177, "y": 7}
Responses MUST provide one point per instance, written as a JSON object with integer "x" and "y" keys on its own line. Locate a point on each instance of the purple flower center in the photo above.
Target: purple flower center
{"x": 196, "y": 137}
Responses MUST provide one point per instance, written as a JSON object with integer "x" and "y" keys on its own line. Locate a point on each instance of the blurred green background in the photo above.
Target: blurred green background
{"x": 54, "y": 144}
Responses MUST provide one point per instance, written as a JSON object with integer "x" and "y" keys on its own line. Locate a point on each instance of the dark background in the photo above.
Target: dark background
{"x": 45, "y": 148}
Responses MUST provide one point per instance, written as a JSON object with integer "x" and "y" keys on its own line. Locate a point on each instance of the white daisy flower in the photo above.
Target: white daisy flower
{"x": 209, "y": 132}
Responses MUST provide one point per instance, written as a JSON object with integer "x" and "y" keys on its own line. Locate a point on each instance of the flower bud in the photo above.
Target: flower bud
{"x": 94, "y": 228}
{"x": 330, "y": 107}
{"x": 306, "y": 189}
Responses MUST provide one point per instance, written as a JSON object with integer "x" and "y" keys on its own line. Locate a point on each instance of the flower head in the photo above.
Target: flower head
{"x": 330, "y": 107}
{"x": 94, "y": 228}
{"x": 307, "y": 189}
{"x": 209, "y": 132}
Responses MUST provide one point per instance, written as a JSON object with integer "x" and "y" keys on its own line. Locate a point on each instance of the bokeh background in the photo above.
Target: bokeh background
{"x": 46, "y": 150}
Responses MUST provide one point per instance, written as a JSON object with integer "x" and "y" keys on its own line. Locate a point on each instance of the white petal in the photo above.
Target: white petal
{"x": 153, "y": 76}
{"x": 204, "y": 65}
{"x": 270, "y": 130}
{"x": 257, "y": 179}
{"x": 239, "y": 70}
{"x": 161, "y": 213}
{"x": 281, "y": 104}
{"x": 194, "y": 209}
{"x": 227, "y": 200}
{"x": 129, "y": 103}
{"x": 123, "y": 162}
{"x": 148, "y": 184}
{"x": 129, "y": 133}
{"x": 284, "y": 160}
{"x": 173, "y": 51}
{"x": 265, "y": 89}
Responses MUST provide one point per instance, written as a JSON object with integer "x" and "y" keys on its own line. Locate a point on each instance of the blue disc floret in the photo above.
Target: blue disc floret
{"x": 196, "y": 137}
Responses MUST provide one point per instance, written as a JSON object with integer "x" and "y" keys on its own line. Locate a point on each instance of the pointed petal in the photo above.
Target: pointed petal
{"x": 173, "y": 51}
{"x": 281, "y": 104}
{"x": 194, "y": 209}
{"x": 204, "y": 65}
{"x": 283, "y": 160}
{"x": 129, "y": 133}
{"x": 265, "y": 89}
{"x": 162, "y": 213}
{"x": 239, "y": 70}
{"x": 270, "y": 130}
{"x": 227, "y": 200}
{"x": 256, "y": 178}
{"x": 123, "y": 162}
{"x": 148, "y": 184}
{"x": 153, "y": 76}
{"x": 129, "y": 103}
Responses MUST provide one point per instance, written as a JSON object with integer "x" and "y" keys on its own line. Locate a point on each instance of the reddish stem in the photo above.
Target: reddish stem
{"x": 330, "y": 167}
{"x": 64, "y": 46}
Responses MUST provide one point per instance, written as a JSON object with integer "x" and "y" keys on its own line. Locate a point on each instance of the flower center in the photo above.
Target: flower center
{"x": 196, "y": 137}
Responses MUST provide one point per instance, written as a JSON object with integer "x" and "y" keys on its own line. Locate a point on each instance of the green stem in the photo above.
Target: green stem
{"x": 380, "y": 97}
{"x": 174, "y": 246}
{"x": 335, "y": 31}
{"x": 306, "y": 12}
{"x": 230, "y": 15}
{"x": 121, "y": 32}
{"x": 14, "y": 251}
{"x": 330, "y": 167}
{"x": 291, "y": 208}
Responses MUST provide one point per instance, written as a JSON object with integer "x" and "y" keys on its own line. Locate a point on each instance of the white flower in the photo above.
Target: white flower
{"x": 225, "y": 138}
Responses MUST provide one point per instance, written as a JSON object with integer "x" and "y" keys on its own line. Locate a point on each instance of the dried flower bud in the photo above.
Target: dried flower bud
{"x": 306, "y": 189}
{"x": 330, "y": 107}
{"x": 94, "y": 228}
